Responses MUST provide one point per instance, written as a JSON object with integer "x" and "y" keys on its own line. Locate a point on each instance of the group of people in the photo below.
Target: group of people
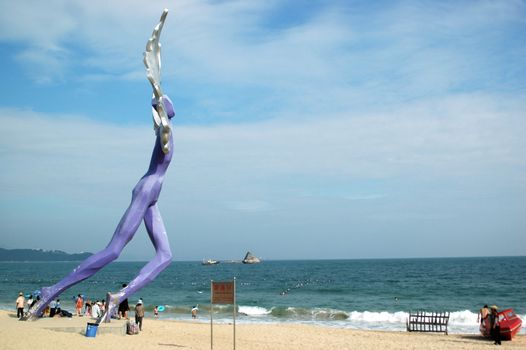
{"x": 124, "y": 308}
{"x": 93, "y": 309}
{"x": 490, "y": 322}
{"x": 22, "y": 303}
{"x": 52, "y": 310}
{"x": 85, "y": 307}
{"x": 98, "y": 308}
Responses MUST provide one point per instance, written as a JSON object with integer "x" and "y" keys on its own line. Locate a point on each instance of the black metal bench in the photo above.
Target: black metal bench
{"x": 423, "y": 321}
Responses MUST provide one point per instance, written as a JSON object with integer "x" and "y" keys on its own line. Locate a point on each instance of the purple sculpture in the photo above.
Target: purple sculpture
{"x": 143, "y": 205}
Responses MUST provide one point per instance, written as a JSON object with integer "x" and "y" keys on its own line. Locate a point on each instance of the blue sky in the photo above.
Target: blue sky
{"x": 319, "y": 129}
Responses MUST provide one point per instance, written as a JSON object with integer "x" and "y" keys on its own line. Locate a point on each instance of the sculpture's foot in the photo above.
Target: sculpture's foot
{"x": 112, "y": 301}
{"x": 36, "y": 311}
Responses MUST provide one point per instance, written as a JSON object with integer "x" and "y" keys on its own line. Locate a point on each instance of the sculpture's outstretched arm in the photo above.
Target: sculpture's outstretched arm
{"x": 152, "y": 62}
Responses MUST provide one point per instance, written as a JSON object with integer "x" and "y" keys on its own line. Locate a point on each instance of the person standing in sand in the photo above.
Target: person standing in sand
{"x": 87, "y": 308}
{"x": 29, "y": 302}
{"x": 103, "y": 306}
{"x": 143, "y": 205}
{"x": 139, "y": 313}
{"x": 195, "y": 309}
{"x": 79, "y": 304}
{"x": 495, "y": 325}
{"x": 20, "y": 303}
{"x": 95, "y": 310}
{"x": 123, "y": 307}
{"x": 483, "y": 314}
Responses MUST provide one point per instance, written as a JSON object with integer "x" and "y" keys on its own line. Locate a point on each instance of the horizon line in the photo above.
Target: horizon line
{"x": 230, "y": 261}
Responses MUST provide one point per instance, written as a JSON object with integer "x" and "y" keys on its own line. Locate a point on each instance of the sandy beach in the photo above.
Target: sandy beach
{"x": 159, "y": 334}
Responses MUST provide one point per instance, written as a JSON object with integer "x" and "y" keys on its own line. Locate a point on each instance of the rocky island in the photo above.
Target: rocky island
{"x": 251, "y": 259}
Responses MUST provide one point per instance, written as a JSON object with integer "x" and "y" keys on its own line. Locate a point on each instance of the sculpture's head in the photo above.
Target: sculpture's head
{"x": 168, "y": 106}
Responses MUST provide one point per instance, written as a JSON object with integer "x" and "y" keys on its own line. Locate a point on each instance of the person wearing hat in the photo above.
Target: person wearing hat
{"x": 495, "y": 325}
{"x": 95, "y": 309}
{"x": 139, "y": 313}
{"x": 20, "y": 302}
{"x": 124, "y": 307}
{"x": 195, "y": 309}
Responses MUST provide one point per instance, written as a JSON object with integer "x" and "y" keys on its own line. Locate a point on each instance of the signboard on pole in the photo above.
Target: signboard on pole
{"x": 222, "y": 293}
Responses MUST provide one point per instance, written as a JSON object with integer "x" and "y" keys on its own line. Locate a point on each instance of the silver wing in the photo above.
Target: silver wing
{"x": 152, "y": 62}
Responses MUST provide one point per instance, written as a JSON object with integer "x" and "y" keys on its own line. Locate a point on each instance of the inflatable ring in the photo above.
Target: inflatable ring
{"x": 160, "y": 308}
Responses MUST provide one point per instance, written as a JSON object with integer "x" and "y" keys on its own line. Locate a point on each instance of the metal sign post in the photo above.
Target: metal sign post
{"x": 222, "y": 293}
{"x": 234, "y": 314}
{"x": 211, "y": 315}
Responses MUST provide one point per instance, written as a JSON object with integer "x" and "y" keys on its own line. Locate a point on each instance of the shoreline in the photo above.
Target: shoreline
{"x": 461, "y": 322}
{"x": 196, "y": 335}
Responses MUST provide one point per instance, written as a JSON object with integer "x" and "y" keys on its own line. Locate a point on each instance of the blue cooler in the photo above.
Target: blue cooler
{"x": 91, "y": 329}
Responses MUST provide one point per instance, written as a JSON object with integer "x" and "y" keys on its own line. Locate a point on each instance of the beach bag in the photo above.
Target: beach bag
{"x": 65, "y": 313}
{"x": 132, "y": 328}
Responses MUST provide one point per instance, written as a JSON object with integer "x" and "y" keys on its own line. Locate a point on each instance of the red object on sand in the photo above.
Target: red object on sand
{"x": 510, "y": 324}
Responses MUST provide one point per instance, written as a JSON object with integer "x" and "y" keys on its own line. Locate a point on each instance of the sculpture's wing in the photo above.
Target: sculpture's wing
{"x": 152, "y": 61}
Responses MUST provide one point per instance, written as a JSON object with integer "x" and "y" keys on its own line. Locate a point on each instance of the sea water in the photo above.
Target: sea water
{"x": 359, "y": 294}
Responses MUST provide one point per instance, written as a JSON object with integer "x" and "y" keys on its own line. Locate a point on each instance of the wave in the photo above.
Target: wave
{"x": 252, "y": 311}
{"x": 382, "y": 316}
{"x": 306, "y": 314}
{"x": 463, "y": 318}
{"x": 463, "y": 321}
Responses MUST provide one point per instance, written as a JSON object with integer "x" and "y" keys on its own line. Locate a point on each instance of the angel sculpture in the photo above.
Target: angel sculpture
{"x": 143, "y": 204}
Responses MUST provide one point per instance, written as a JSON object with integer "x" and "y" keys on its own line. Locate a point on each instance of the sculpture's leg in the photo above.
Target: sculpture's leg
{"x": 163, "y": 258}
{"x": 123, "y": 234}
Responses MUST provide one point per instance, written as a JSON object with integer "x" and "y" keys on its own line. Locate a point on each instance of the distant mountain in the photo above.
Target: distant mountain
{"x": 39, "y": 255}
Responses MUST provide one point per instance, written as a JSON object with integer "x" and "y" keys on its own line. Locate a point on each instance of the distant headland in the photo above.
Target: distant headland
{"x": 39, "y": 255}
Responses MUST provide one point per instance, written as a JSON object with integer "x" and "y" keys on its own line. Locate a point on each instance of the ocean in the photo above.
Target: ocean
{"x": 371, "y": 294}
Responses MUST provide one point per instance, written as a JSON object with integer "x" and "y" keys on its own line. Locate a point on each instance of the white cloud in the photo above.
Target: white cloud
{"x": 64, "y": 173}
{"x": 408, "y": 94}
{"x": 460, "y": 136}
{"x": 402, "y": 49}
{"x": 36, "y": 23}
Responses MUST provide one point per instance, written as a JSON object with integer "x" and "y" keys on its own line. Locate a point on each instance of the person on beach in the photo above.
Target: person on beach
{"x": 139, "y": 313}
{"x": 57, "y": 307}
{"x": 34, "y": 301}
{"x": 495, "y": 325}
{"x": 143, "y": 205}
{"x": 29, "y": 302}
{"x": 155, "y": 312}
{"x": 482, "y": 317}
{"x": 124, "y": 307}
{"x": 79, "y": 303}
{"x": 103, "y": 306}
{"x": 20, "y": 303}
{"x": 87, "y": 308}
{"x": 52, "y": 308}
{"x": 483, "y": 314}
{"x": 47, "y": 311}
{"x": 95, "y": 310}
{"x": 194, "y": 311}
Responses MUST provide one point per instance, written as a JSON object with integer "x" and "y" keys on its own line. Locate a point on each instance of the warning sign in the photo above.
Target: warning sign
{"x": 223, "y": 292}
